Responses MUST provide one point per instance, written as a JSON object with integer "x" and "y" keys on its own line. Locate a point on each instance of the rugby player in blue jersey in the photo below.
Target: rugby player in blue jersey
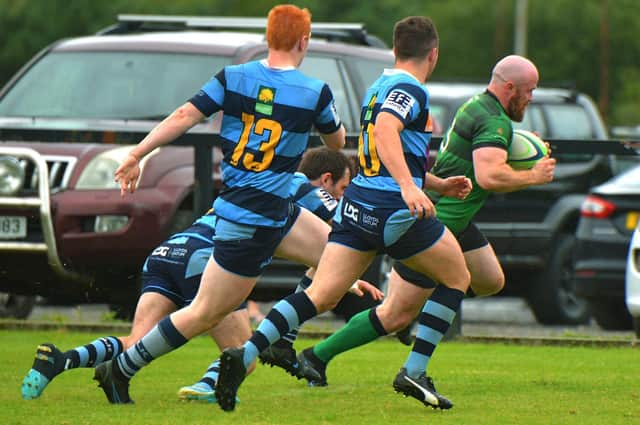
{"x": 383, "y": 210}
{"x": 171, "y": 276}
{"x": 319, "y": 183}
{"x": 269, "y": 109}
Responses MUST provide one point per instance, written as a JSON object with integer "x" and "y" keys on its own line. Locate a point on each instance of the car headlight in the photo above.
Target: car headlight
{"x": 11, "y": 176}
{"x": 99, "y": 172}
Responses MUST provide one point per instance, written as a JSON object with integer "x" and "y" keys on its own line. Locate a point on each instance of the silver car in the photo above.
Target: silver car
{"x": 632, "y": 280}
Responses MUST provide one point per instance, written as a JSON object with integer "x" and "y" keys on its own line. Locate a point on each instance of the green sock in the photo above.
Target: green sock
{"x": 363, "y": 328}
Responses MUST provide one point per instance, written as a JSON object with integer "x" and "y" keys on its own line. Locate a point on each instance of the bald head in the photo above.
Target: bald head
{"x": 515, "y": 68}
{"x": 513, "y": 80}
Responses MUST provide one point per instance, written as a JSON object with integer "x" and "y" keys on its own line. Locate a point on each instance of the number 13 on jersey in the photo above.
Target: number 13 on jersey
{"x": 267, "y": 147}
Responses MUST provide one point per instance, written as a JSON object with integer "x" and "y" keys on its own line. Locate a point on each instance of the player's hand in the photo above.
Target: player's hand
{"x": 419, "y": 204}
{"x": 362, "y": 286}
{"x": 543, "y": 170}
{"x": 457, "y": 187}
{"x": 127, "y": 174}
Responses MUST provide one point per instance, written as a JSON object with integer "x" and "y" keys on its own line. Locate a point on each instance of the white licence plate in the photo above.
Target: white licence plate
{"x": 13, "y": 227}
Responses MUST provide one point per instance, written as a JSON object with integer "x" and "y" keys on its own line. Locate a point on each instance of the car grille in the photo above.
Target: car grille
{"x": 60, "y": 168}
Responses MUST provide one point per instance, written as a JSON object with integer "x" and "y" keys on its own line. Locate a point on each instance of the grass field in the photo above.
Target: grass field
{"x": 489, "y": 384}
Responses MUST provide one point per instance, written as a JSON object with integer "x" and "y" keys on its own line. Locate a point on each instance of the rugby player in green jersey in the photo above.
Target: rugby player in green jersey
{"x": 475, "y": 145}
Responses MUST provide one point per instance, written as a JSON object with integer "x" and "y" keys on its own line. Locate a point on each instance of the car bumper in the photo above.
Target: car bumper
{"x": 600, "y": 278}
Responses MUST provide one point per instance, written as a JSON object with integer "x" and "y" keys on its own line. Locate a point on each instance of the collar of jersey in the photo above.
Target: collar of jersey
{"x": 276, "y": 68}
{"x": 394, "y": 71}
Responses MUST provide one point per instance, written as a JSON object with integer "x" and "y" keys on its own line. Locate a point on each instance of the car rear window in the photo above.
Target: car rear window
{"x": 109, "y": 85}
{"x": 568, "y": 121}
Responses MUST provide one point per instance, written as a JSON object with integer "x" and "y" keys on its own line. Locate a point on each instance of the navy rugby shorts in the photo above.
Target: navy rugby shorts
{"x": 386, "y": 230}
{"x": 246, "y": 250}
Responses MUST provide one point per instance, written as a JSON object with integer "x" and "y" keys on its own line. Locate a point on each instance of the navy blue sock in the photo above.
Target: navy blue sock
{"x": 434, "y": 321}
{"x": 287, "y": 314}
{"x": 162, "y": 339}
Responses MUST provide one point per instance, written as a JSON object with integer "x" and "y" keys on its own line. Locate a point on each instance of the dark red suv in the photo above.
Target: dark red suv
{"x": 74, "y": 111}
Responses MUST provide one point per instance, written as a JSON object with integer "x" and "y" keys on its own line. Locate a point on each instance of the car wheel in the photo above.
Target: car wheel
{"x": 611, "y": 314}
{"x": 552, "y": 296}
{"x": 16, "y": 306}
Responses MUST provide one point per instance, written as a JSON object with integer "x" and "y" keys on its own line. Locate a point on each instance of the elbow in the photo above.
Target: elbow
{"x": 487, "y": 183}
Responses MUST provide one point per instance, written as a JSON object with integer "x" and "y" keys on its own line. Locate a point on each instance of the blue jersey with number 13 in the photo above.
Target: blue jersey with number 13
{"x": 268, "y": 114}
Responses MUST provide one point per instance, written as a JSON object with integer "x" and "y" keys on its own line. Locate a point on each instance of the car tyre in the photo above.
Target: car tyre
{"x": 553, "y": 297}
{"x": 16, "y": 306}
{"x": 611, "y": 314}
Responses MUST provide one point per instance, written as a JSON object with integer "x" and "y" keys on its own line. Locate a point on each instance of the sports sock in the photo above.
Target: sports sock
{"x": 211, "y": 376}
{"x": 290, "y": 337}
{"x": 434, "y": 321}
{"x": 162, "y": 339}
{"x": 287, "y": 314}
{"x": 363, "y": 328}
{"x": 96, "y": 352}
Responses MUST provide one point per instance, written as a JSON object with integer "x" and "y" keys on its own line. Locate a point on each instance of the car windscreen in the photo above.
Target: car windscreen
{"x": 109, "y": 85}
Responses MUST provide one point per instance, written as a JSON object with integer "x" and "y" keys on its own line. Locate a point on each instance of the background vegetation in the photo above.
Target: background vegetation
{"x": 592, "y": 45}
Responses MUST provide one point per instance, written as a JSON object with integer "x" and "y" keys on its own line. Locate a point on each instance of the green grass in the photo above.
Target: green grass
{"x": 489, "y": 384}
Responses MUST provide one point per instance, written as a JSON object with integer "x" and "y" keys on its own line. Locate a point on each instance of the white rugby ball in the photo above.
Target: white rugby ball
{"x": 526, "y": 149}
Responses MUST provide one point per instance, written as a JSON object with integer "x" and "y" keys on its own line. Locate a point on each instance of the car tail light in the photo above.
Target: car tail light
{"x": 596, "y": 207}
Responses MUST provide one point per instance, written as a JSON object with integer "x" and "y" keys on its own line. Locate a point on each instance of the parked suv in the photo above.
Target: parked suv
{"x": 532, "y": 230}
{"x": 71, "y": 114}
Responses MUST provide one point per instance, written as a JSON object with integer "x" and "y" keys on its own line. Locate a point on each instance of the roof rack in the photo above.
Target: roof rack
{"x": 354, "y": 33}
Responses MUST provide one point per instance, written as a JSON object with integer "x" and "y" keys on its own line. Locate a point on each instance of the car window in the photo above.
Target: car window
{"x": 568, "y": 121}
{"x": 327, "y": 69}
{"x": 110, "y": 85}
{"x": 369, "y": 70}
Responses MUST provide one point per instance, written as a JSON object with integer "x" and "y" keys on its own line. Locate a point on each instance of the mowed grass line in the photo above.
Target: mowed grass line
{"x": 489, "y": 384}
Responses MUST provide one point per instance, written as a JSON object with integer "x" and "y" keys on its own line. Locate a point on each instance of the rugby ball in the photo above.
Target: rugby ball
{"x": 526, "y": 149}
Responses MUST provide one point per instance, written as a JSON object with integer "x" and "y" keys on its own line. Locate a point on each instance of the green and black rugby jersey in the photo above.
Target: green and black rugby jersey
{"x": 480, "y": 122}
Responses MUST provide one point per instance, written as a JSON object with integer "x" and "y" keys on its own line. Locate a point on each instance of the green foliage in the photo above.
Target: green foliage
{"x": 565, "y": 37}
{"x": 489, "y": 383}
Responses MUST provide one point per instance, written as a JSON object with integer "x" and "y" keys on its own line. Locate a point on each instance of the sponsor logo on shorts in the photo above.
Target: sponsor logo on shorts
{"x": 161, "y": 251}
{"x": 351, "y": 211}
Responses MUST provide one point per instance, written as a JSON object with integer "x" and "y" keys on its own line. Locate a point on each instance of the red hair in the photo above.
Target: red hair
{"x": 286, "y": 25}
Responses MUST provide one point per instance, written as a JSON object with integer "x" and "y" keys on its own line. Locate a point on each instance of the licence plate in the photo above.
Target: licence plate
{"x": 632, "y": 220}
{"x": 13, "y": 227}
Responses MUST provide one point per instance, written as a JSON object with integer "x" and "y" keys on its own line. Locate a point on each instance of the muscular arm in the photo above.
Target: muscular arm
{"x": 176, "y": 124}
{"x": 494, "y": 174}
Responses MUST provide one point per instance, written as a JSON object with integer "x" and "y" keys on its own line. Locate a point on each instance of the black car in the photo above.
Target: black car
{"x": 609, "y": 216}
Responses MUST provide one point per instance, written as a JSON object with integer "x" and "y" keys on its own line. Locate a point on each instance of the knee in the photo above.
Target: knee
{"x": 394, "y": 321}
{"x": 488, "y": 287}
{"x": 321, "y": 302}
{"x": 461, "y": 280}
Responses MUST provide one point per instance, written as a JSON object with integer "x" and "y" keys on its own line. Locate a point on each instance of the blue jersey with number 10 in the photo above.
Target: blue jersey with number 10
{"x": 268, "y": 114}
{"x": 399, "y": 93}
